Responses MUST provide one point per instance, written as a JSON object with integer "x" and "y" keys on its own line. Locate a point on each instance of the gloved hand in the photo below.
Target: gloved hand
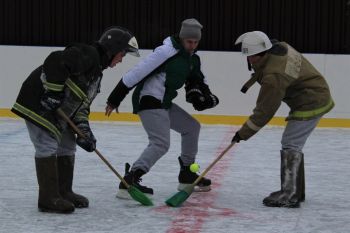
{"x": 88, "y": 143}
{"x": 212, "y": 100}
{"x": 199, "y": 94}
{"x": 204, "y": 102}
{"x": 51, "y": 100}
{"x": 194, "y": 94}
{"x": 198, "y": 103}
{"x": 236, "y": 138}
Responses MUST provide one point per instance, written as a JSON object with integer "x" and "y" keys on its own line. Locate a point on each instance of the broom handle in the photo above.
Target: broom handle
{"x": 212, "y": 164}
{"x": 77, "y": 130}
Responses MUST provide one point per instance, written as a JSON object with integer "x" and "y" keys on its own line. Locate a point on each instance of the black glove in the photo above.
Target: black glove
{"x": 51, "y": 100}
{"x": 198, "y": 103}
{"x": 194, "y": 94}
{"x": 236, "y": 138}
{"x": 88, "y": 143}
{"x": 205, "y": 102}
{"x": 212, "y": 100}
{"x": 199, "y": 94}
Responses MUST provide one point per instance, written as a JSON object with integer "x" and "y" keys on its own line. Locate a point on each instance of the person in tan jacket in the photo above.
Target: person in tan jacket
{"x": 285, "y": 76}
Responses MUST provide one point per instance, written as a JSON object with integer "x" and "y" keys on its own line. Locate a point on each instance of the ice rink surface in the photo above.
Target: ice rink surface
{"x": 248, "y": 173}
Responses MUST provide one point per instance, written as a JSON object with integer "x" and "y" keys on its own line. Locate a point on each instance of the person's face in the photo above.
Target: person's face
{"x": 254, "y": 59}
{"x": 118, "y": 58}
{"x": 190, "y": 45}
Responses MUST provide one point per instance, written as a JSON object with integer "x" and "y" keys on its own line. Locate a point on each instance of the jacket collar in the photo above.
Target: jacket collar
{"x": 261, "y": 64}
{"x": 176, "y": 42}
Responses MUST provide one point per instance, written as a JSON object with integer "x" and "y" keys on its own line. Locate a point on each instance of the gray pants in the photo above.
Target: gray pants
{"x": 296, "y": 133}
{"x": 157, "y": 124}
{"x": 46, "y": 146}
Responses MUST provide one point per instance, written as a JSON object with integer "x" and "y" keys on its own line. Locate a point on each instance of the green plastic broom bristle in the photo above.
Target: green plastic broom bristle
{"x": 139, "y": 196}
{"x": 180, "y": 197}
{"x": 177, "y": 199}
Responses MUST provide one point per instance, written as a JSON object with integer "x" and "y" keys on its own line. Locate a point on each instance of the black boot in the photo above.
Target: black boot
{"x": 291, "y": 192}
{"x": 132, "y": 178}
{"x": 49, "y": 198}
{"x": 187, "y": 177}
{"x": 65, "y": 168}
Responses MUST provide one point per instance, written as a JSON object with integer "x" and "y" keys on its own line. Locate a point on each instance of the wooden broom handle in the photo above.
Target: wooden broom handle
{"x": 77, "y": 130}
{"x": 212, "y": 164}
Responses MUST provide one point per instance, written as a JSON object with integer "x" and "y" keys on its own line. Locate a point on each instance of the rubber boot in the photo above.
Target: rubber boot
{"x": 302, "y": 180}
{"x": 276, "y": 194}
{"x": 49, "y": 198}
{"x": 290, "y": 194}
{"x": 302, "y": 183}
{"x": 186, "y": 177}
{"x": 65, "y": 167}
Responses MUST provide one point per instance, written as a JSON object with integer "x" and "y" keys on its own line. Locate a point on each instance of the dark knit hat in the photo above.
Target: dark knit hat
{"x": 190, "y": 29}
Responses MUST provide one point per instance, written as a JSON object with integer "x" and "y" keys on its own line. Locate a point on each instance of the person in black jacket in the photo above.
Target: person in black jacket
{"x": 70, "y": 80}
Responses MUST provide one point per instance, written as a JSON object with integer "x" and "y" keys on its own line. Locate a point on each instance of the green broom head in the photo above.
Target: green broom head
{"x": 139, "y": 196}
{"x": 177, "y": 199}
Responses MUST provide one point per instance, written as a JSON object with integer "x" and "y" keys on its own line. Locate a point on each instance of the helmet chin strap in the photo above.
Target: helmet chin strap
{"x": 109, "y": 62}
{"x": 249, "y": 83}
{"x": 249, "y": 65}
{"x": 105, "y": 58}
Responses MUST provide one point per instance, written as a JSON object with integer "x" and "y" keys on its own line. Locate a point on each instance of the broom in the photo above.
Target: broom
{"x": 180, "y": 197}
{"x": 136, "y": 194}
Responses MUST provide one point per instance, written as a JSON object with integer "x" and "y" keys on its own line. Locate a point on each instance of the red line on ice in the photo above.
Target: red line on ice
{"x": 200, "y": 206}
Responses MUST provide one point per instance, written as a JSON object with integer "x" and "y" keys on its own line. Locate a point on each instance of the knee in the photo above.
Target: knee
{"x": 196, "y": 127}
{"x": 164, "y": 147}
{"x": 42, "y": 150}
{"x": 292, "y": 148}
{"x": 291, "y": 145}
{"x": 67, "y": 148}
{"x": 161, "y": 148}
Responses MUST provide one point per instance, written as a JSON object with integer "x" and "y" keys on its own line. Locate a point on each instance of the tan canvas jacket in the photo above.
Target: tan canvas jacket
{"x": 285, "y": 75}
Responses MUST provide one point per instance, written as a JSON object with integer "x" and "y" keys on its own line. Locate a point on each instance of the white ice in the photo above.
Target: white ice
{"x": 248, "y": 173}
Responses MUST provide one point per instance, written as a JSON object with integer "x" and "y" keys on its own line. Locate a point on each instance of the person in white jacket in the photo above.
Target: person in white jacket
{"x": 157, "y": 79}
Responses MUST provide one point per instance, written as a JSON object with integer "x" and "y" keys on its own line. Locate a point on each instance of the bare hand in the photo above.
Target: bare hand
{"x": 109, "y": 110}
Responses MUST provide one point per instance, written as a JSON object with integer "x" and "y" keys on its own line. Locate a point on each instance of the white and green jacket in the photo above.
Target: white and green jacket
{"x": 158, "y": 77}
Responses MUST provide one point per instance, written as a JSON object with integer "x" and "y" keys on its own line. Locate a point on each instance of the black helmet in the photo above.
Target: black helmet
{"x": 117, "y": 39}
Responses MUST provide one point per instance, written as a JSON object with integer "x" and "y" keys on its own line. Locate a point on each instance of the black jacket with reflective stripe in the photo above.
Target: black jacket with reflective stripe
{"x": 76, "y": 71}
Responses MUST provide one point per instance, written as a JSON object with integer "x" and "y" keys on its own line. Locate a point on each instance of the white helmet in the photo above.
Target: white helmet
{"x": 254, "y": 42}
